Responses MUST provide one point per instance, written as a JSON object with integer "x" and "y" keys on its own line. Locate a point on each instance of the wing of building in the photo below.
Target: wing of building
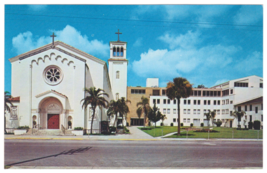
{"x": 48, "y": 86}
{"x": 240, "y": 94}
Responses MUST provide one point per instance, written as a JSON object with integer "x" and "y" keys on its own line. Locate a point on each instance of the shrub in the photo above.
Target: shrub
{"x": 218, "y": 123}
{"x": 126, "y": 130}
{"x": 78, "y": 128}
{"x": 161, "y": 124}
{"x": 250, "y": 125}
{"x": 23, "y": 127}
{"x": 112, "y": 129}
{"x": 171, "y": 124}
{"x": 182, "y": 124}
{"x": 257, "y": 125}
{"x": 149, "y": 124}
{"x": 146, "y": 128}
{"x": 191, "y": 125}
{"x": 69, "y": 123}
{"x": 202, "y": 124}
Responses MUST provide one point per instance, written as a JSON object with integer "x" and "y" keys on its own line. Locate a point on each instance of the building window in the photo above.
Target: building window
{"x": 261, "y": 117}
{"x": 174, "y": 101}
{"x": 168, "y": 111}
{"x": 154, "y": 101}
{"x": 195, "y": 111}
{"x": 155, "y": 92}
{"x": 53, "y": 75}
{"x": 231, "y": 91}
{"x": 118, "y": 51}
{"x": 188, "y": 120}
{"x": 227, "y": 111}
{"x": 214, "y": 102}
{"x": 188, "y": 102}
{"x": 164, "y": 101}
{"x": 184, "y": 102}
{"x": 250, "y": 107}
{"x": 218, "y": 112}
{"x": 219, "y": 102}
{"x": 198, "y": 111}
{"x": 204, "y": 93}
{"x": 195, "y": 102}
{"x": 121, "y": 54}
{"x": 261, "y": 106}
{"x": 225, "y": 92}
{"x": 184, "y": 111}
{"x": 261, "y": 85}
{"x": 174, "y": 120}
{"x": 239, "y": 108}
{"x": 198, "y": 102}
{"x": 246, "y": 108}
{"x": 169, "y": 101}
{"x": 205, "y": 102}
{"x": 138, "y": 91}
{"x": 164, "y": 111}
{"x": 114, "y": 51}
{"x": 208, "y": 102}
{"x": 163, "y": 92}
{"x": 239, "y": 84}
{"x": 117, "y": 96}
{"x": 184, "y": 120}
{"x": 158, "y": 101}
{"x": 117, "y": 74}
{"x": 223, "y": 102}
{"x": 227, "y": 101}
{"x": 256, "y": 110}
{"x": 223, "y": 112}
{"x": 188, "y": 111}
{"x": 204, "y": 111}
{"x": 231, "y": 102}
{"x": 174, "y": 111}
{"x": 250, "y": 118}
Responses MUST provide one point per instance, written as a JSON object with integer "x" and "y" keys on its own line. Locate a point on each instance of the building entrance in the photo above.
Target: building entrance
{"x": 137, "y": 122}
{"x": 53, "y": 121}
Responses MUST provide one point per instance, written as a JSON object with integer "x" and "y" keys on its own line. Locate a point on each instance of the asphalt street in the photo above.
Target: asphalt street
{"x": 133, "y": 154}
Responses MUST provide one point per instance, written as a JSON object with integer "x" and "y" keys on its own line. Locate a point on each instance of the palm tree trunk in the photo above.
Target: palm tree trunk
{"x": 91, "y": 130}
{"x": 178, "y": 119}
{"x": 115, "y": 120}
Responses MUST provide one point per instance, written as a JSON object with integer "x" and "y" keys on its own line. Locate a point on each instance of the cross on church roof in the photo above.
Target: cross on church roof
{"x": 118, "y": 34}
{"x": 53, "y": 36}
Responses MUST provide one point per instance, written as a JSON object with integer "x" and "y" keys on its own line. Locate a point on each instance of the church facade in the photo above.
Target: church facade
{"x": 48, "y": 86}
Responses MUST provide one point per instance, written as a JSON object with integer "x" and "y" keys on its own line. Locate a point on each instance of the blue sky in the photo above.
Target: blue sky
{"x": 207, "y": 44}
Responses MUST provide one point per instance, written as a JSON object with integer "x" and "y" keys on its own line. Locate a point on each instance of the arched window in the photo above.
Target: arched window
{"x": 118, "y": 51}
{"x": 114, "y": 51}
{"x": 121, "y": 51}
{"x": 117, "y": 74}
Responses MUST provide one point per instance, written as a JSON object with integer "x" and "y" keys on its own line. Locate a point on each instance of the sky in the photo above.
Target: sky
{"x": 206, "y": 44}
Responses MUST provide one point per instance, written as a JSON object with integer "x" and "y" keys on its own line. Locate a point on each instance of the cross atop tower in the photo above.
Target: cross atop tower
{"x": 53, "y": 36}
{"x": 118, "y": 34}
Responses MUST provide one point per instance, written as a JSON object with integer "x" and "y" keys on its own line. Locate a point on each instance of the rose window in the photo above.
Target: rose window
{"x": 53, "y": 75}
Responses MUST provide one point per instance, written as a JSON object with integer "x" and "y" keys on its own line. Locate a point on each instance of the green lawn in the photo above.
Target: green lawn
{"x": 223, "y": 132}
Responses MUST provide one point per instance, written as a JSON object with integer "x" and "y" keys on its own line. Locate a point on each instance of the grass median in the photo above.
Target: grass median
{"x": 218, "y": 132}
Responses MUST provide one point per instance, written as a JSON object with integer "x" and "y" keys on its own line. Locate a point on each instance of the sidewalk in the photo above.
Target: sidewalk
{"x": 136, "y": 134}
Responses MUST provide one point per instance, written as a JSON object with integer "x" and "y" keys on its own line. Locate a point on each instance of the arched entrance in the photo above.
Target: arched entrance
{"x": 50, "y": 110}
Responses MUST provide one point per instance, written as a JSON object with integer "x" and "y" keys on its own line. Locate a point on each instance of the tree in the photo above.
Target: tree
{"x": 94, "y": 98}
{"x": 123, "y": 107}
{"x": 163, "y": 117}
{"x": 8, "y": 103}
{"x": 154, "y": 115}
{"x": 144, "y": 105}
{"x": 238, "y": 115}
{"x": 210, "y": 115}
{"x": 139, "y": 113}
{"x": 201, "y": 86}
{"x": 179, "y": 88}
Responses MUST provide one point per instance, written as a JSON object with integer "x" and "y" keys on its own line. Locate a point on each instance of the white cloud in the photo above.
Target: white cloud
{"x": 249, "y": 14}
{"x": 24, "y": 42}
{"x": 251, "y": 62}
{"x": 37, "y": 7}
{"x": 220, "y": 81}
{"x": 138, "y": 42}
{"x": 184, "y": 59}
{"x": 188, "y": 40}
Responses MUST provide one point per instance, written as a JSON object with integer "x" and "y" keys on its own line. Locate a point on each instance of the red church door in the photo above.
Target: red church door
{"x": 53, "y": 121}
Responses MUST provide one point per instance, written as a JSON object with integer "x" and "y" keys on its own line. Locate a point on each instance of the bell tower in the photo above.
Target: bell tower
{"x": 118, "y": 68}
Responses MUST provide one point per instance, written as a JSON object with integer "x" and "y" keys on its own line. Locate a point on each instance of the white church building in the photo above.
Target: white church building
{"x": 48, "y": 86}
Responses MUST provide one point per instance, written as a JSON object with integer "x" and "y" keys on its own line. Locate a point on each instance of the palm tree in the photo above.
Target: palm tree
{"x": 238, "y": 115}
{"x": 144, "y": 106}
{"x": 114, "y": 109}
{"x": 8, "y": 103}
{"x": 123, "y": 107}
{"x": 179, "y": 88}
{"x": 210, "y": 115}
{"x": 163, "y": 117}
{"x": 139, "y": 112}
{"x": 95, "y": 97}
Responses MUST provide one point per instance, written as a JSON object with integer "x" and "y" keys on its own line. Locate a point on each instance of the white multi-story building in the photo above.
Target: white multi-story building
{"x": 240, "y": 94}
